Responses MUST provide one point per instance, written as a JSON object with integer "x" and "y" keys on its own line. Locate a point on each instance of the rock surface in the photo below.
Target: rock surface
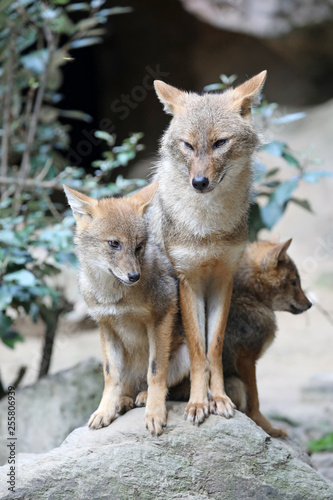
{"x": 47, "y": 411}
{"x": 222, "y": 459}
{"x": 268, "y": 19}
{"x": 324, "y": 462}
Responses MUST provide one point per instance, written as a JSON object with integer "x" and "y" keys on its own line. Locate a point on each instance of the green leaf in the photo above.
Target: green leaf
{"x": 26, "y": 38}
{"x": 36, "y": 61}
{"x": 48, "y": 13}
{"x": 49, "y": 269}
{"x": 77, "y": 6}
{"x": 271, "y": 184}
{"x": 75, "y": 115}
{"x": 23, "y": 278}
{"x": 66, "y": 257}
{"x": 291, "y": 159}
{"x": 255, "y": 222}
{"x": 19, "y": 257}
{"x": 85, "y": 42}
{"x": 259, "y": 170}
{"x": 283, "y": 192}
{"x": 214, "y": 87}
{"x": 273, "y": 211}
{"x": 272, "y": 172}
{"x": 5, "y": 324}
{"x": 323, "y": 444}
{"x": 228, "y": 80}
{"x": 9, "y": 238}
{"x": 275, "y": 148}
{"x": 87, "y": 23}
{"x": 10, "y": 338}
{"x": 5, "y": 297}
{"x": 114, "y": 11}
{"x": 302, "y": 203}
{"x": 96, "y": 4}
{"x": 291, "y": 117}
{"x": 314, "y": 176}
{"x": 34, "y": 311}
{"x": 105, "y": 136}
{"x": 57, "y": 238}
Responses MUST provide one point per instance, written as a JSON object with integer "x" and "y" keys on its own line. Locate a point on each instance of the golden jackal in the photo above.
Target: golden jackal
{"x": 265, "y": 281}
{"x": 131, "y": 290}
{"x": 200, "y": 217}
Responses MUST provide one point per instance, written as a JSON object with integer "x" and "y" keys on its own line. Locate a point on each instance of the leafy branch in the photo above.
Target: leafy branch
{"x": 36, "y": 40}
{"x": 271, "y": 194}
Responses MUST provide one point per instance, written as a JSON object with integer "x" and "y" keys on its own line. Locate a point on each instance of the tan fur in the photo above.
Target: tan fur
{"x": 266, "y": 281}
{"x": 139, "y": 326}
{"x": 204, "y": 230}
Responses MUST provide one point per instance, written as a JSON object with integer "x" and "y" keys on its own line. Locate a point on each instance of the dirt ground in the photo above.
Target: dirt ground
{"x": 304, "y": 344}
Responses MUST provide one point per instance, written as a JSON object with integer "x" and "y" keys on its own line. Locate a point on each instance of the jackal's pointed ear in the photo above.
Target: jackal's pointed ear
{"x": 81, "y": 204}
{"x": 277, "y": 253}
{"x": 247, "y": 94}
{"x": 144, "y": 196}
{"x": 172, "y": 98}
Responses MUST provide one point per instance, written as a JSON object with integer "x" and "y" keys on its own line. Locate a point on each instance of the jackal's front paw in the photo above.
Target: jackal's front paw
{"x": 101, "y": 418}
{"x": 223, "y": 406}
{"x": 196, "y": 412}
{"x": 155, "y": 421}
{"x": 141, "y": 399}
{"x": 125, "y": 403}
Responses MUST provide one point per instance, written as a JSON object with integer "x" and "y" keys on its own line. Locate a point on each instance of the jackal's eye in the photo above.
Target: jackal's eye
{"x": 219, "y": 143}
{"x": 293, "y": 282}
{"x": 114, "y": 244}
{"x": 139, "y": 247}
{"x": 188, "y": 146}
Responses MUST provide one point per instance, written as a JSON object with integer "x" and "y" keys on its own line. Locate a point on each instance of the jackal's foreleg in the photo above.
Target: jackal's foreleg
{"x": 197, "y": 409}
{"x": 218, "y": 305}
{"x": 113, "y": 401}
{"x": 160, "y": 336}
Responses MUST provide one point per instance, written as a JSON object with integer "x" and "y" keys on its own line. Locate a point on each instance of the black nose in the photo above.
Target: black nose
{"x": 309, "y": 304}
{"x": 200, "y": 183}
{"x": 133, "y": 277}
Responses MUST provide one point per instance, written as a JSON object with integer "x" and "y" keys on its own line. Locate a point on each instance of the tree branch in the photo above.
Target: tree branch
{"x": 35, "y": 183}
{"x": 6, "y": 108}
{"x": 25, "y": 163}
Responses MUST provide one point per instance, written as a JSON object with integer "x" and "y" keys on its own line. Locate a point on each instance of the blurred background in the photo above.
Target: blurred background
{"x": 100, "y": 59}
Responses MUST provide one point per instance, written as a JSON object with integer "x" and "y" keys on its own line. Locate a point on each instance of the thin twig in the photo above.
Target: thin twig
{"x": 323, "y": 311}
{"x": 25, "y": 163}
{"x": 28, "y": 109}
{"x": 52, "y": 207}
{"x": 20, "y": 376}
{"x": 34, "y": 183}
{"x": 43, "y": 173}
{"x": 6, "y": 108}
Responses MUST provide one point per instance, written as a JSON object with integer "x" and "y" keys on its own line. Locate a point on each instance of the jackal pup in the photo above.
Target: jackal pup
{"x": 265, "y": 281}
{"x": 200, "y": 217}
{"x": 130, "y": 289}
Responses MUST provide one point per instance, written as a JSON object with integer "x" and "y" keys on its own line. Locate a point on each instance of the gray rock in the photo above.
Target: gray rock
{"x": 268, "y": 19}
{"x": 222, "y": 459}
{"x": 52, "y": 407}
{"x": 323, "y": 462}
